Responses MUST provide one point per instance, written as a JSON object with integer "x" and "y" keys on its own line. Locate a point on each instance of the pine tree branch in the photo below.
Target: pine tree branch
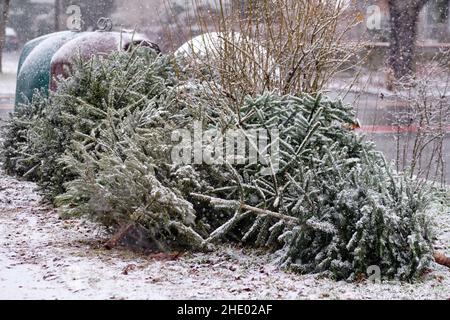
{"x": 226, "y": 227}
{"x": 243, "y": 206}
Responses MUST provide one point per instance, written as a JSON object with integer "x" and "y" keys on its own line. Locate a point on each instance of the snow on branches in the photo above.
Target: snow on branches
{"x": 324, "y": 201}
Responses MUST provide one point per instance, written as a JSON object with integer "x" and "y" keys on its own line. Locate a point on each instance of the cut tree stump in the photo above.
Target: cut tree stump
{"x": 118, "y": 236}
{"x": 442, "y": 259}
{"x": 134, "y": 237}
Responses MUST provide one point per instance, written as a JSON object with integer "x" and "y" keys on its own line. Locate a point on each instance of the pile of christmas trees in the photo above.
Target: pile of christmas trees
{"x": 323, "y": 200}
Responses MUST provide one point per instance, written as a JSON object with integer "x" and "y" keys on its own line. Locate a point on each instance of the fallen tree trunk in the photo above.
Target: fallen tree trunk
{"x": 441, "y": 259}
{"x": 232, "y": 204}
{"x": 118, "y": 236}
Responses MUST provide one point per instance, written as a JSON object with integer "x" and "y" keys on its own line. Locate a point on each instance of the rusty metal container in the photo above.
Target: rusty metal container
{"x": 93, "y": 44}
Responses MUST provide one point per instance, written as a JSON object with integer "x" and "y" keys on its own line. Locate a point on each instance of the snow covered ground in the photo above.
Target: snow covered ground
{"x": 43, "y": 257}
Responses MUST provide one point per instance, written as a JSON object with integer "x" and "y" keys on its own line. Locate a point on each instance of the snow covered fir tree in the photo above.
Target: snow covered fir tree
{"x": 332, "y": 204}
{"x": 229, "y": 144}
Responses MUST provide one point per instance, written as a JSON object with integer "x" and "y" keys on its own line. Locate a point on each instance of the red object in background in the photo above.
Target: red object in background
{"x": 386, "y": 129}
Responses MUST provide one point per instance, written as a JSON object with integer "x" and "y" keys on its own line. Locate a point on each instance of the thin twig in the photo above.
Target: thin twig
{"x": 243, "y": 206}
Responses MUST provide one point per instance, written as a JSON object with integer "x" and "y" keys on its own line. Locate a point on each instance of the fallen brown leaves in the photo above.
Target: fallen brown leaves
{"x": 165, "y": 256}
{"x": 128, "y": 269}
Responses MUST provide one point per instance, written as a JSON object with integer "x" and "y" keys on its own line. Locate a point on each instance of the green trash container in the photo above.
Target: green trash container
{"x": 28, "y": 48}
{"x": 35, "y": 61}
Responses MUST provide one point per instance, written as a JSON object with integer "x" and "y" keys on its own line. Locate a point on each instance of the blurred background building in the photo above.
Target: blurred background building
{"x": 31, "y": 18}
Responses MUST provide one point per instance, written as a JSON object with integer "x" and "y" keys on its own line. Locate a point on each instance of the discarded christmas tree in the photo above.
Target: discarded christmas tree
{"x": 323, "y": 201}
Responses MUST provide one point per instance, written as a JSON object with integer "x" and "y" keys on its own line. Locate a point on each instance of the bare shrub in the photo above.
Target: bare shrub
{"x": 422, "y": 116}
{"x": 286, "y": 46}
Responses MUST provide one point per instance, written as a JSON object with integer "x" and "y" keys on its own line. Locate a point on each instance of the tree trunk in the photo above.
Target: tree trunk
{"x": 57, "y": 15}
{"x": 3, "y": 19}
{"x": 403, "y": 18}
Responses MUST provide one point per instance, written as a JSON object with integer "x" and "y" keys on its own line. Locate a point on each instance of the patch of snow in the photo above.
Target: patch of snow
{"x": 209, "y": 48}
{"x": 208, "y": 44}
{"x": 44, "y": 257}
{"x": 10, "y": 32}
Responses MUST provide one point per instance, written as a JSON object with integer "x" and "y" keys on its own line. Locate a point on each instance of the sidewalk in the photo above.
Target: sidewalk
{"x": 8, "y": 83}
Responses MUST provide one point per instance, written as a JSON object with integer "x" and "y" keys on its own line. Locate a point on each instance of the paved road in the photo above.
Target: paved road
{"x": 379, "y": 118}
{"x": 6, "y": 106}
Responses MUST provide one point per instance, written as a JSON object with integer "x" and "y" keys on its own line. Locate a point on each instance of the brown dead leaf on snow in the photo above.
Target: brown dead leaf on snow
{"x": 154, "y": 279}
{"x": 233, "y": 268}
{"x": 128, "y": 268}
{"x": 165, "y": 256}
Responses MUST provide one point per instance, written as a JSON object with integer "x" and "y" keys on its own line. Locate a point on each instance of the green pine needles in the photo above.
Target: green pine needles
{"x": 43, "y": 130}
{"x": 324, "y": 200}
{"x": 352, "y": 211}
